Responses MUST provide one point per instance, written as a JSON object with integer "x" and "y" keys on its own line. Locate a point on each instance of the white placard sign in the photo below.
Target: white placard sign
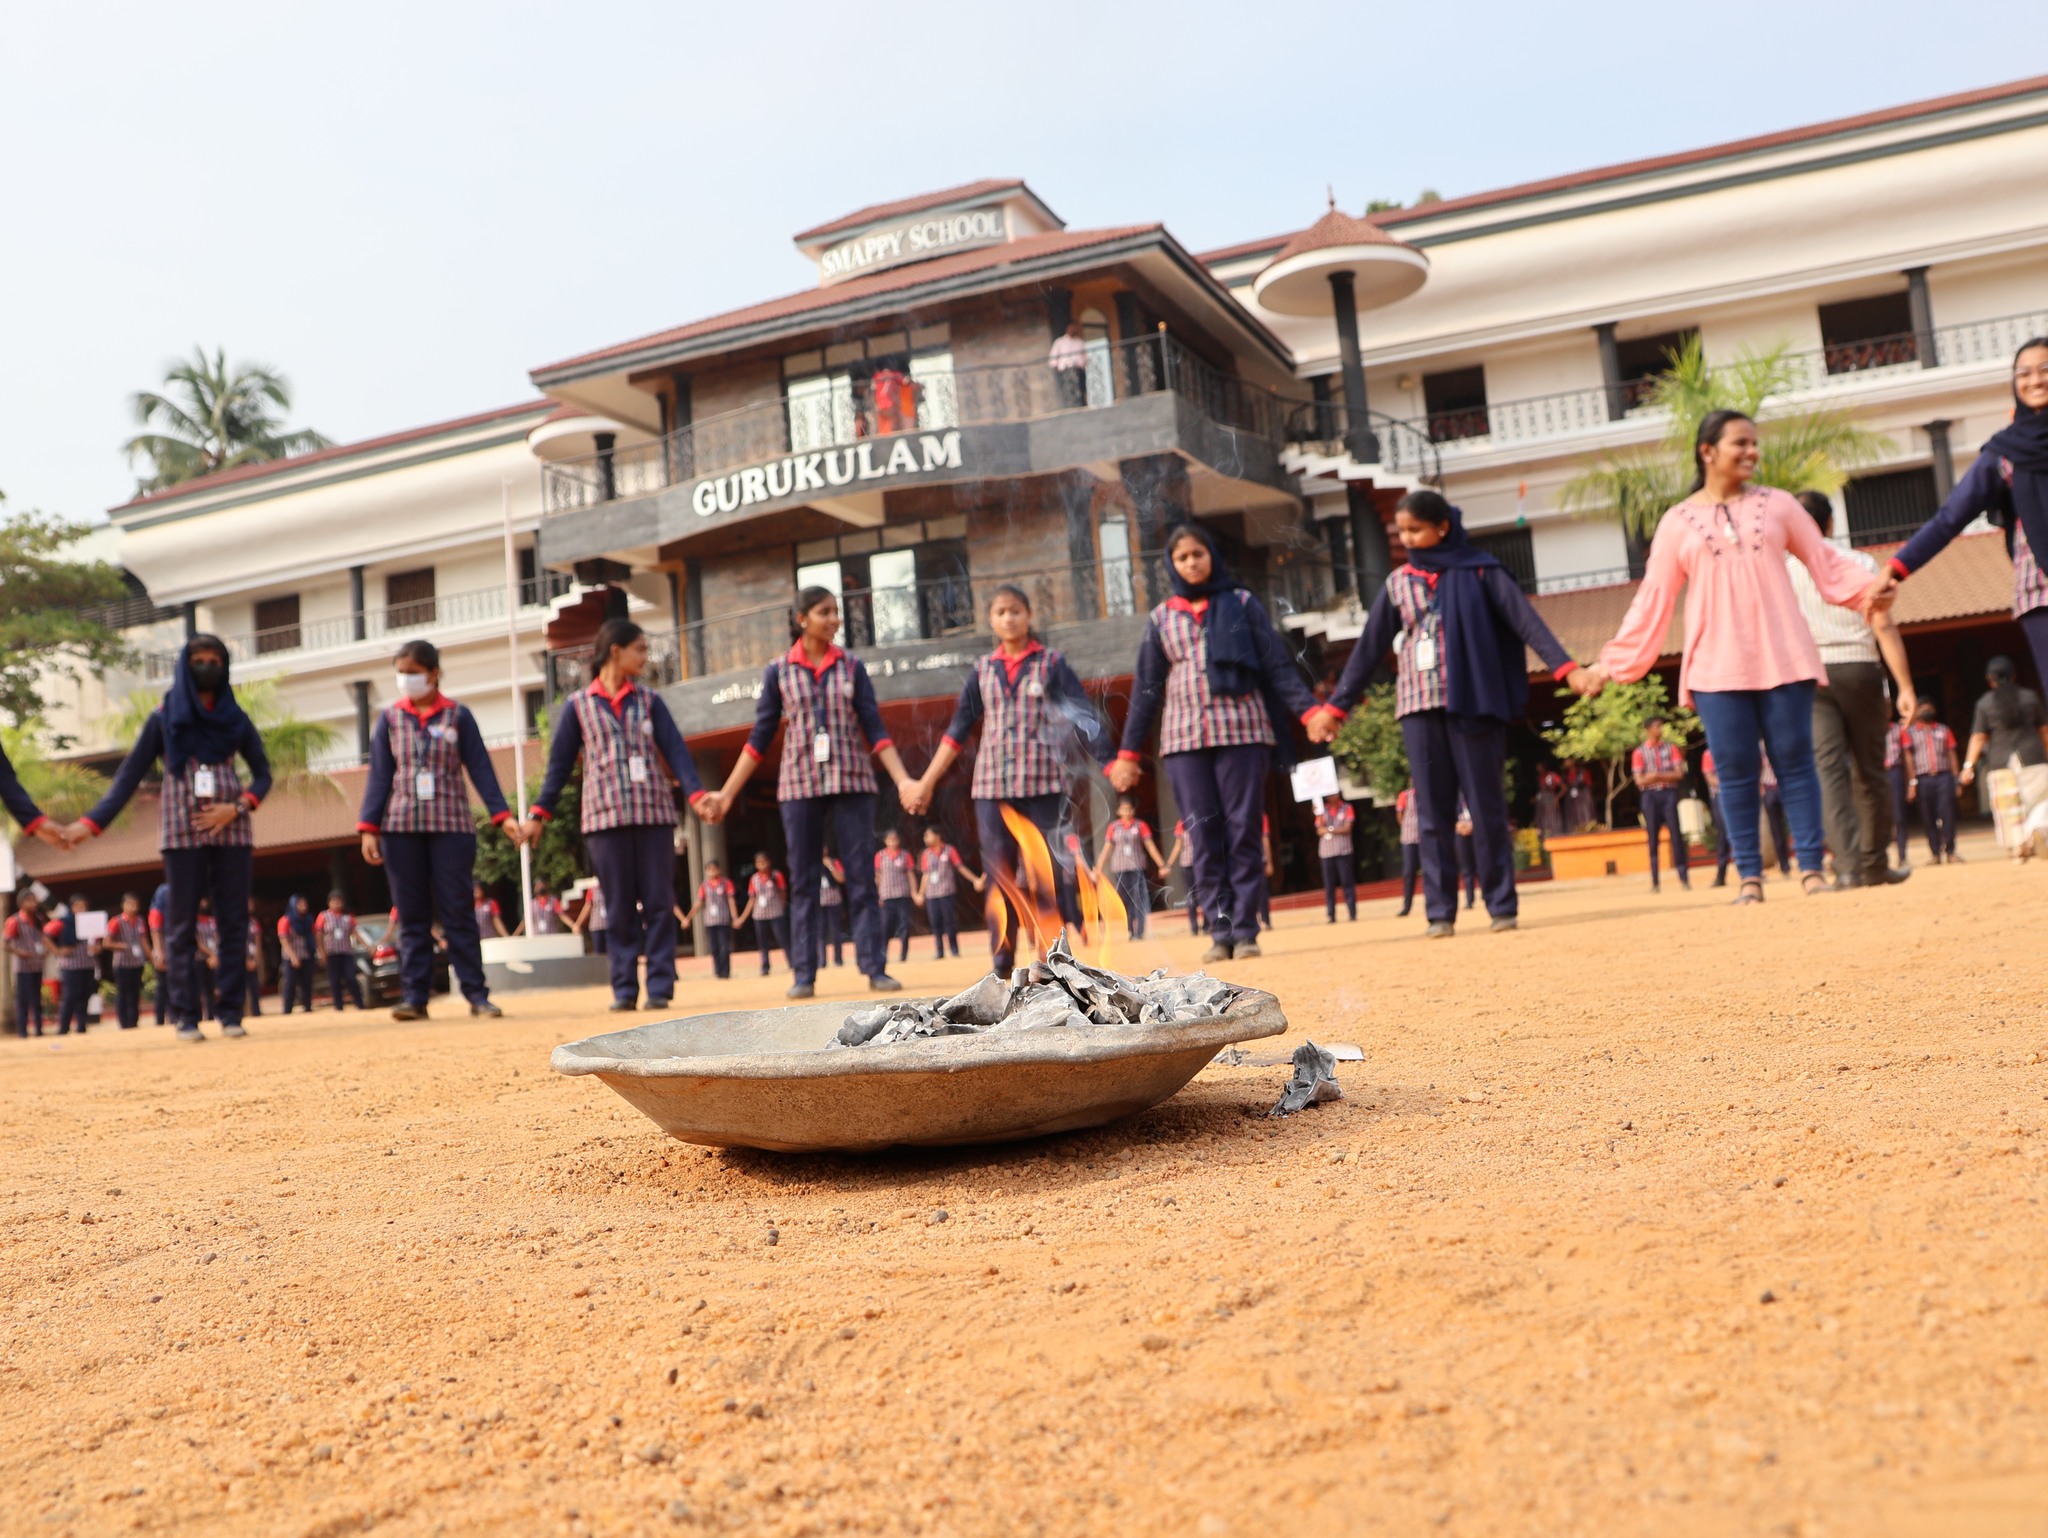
{"x": 1314, "y": 779}
{"x": 91, "y": 925}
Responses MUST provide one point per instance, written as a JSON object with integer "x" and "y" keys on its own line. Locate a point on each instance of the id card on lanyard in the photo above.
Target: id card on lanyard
{"x": 636, "y": 768}
{"x": 205, "y": 783}
{"x": 1426, "y": 636}
{"x": 423, "y": 785}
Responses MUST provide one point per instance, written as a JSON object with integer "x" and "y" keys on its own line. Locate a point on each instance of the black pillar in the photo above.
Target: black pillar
{"x": 1359, "y": 438}
{"x": 358, "y": 620}
{"x": 1059, "y": 310}
{"x": 1637, "y": 548}
{"x": 1370, "y": 557}
{"x": 1161, "y": 498}
{"x": 1077, "y": 499}
{"x": 1944, "y": 459}
{"x": 1922, "y": 314}
{"x": 1337, "y": 535}
{"x": 191, "y": 611}
{"x": 361, "y": 688}
{"x": 607, "y": 477}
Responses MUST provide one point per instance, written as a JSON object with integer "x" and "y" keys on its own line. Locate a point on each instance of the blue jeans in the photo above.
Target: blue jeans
{"x": 1742, "y": 722}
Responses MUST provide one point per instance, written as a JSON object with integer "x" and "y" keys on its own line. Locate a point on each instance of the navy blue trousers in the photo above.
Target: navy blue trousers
{"x": 128, "y": 997}
{"x": 1897, "y": 774}
{"x": 719, "y": 937}
{"x": 1338, "y": 872}
{"x": 1136, "y": 895}
{"x": 771, "y": 935}
{"x": 896, "y": 913}
{"x": 431, "y": 873}
{"x": 74, "y": 986}
{"x": 295, "y": 984}
{"x": 28, "y": 1002}
{"x": 343, "y": 981}
{"x": 832, "y": 932}
{"x": 636, "y": 870}
{"x": 1660, "y": 813}
{"x": 851, "y": 818}
{"x": 1046, "y": 813}
{"x": 1448, "y": 755}
{"x": 219, "y": 872}
{"x": 1411, "y": 872}
{"x": 1222, "y": 796}
{"x": 945, "y": 922}
{"x": 1937, "y": 797}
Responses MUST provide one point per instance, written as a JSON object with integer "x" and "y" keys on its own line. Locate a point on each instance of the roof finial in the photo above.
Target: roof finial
{"x": 1332, "y": 191}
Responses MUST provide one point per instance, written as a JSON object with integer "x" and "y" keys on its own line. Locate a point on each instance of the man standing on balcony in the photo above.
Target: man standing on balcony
{"x": 1069, "y": 362}
{"x": 1851, "y": 717}
{"x": 624, "y": 735}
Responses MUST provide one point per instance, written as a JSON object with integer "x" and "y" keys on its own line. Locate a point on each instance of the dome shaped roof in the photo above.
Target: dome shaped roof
{"x": 1383, "y": 269}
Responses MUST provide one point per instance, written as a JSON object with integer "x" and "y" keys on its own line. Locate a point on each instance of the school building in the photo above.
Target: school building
{"x": 901, "y": 428}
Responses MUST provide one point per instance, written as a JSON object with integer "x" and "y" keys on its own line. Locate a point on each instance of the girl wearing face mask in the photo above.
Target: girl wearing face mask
{"x": 203, "y": 826}
{"x": 416, "y": 823}
{"x": 1216, "y": 676}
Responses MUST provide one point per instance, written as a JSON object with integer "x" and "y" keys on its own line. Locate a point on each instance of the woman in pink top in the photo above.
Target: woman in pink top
{"x": 1750, "y": 668}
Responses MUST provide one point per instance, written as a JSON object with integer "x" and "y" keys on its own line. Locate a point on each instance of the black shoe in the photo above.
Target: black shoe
{"x": 1217, "y": 951}
{"x": 1244, "y": 950}
{"x": 1442, "y": 929}
{"x": 882, "y": 982}
{"x": 1406, "y": 909}
{"x": 621, "y": 1006}
{"x": 1720, "y": 881}
{"x": 1892, "y": 877}
{"x": 801, "y": 991}
{"x": 483, "y": 1007}
{"x": 651, "y": 1004}
{"x": 1503, "y": 924}
{"x": 414, "y": 1012}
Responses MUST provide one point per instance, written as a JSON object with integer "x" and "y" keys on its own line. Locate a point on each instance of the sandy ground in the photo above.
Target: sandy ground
{"x": 1654, "y": 1217}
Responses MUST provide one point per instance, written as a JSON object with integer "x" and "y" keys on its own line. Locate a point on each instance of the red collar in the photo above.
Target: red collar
{"x": 1416, "y": 573}
{"x": 1195, "y": 606}
{"x": 832, "y": 655}
{"x": 422, "y": 712}
{"x": 618, "y": 701}
{"x": 1015, "y": 665}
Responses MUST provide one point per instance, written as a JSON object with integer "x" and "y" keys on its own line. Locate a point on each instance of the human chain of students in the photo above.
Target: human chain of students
{"x": 1787, "y": 646}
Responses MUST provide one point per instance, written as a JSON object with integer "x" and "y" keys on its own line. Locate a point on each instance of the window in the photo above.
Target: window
{"x": 945, "y": 597}
{"x": 1888, "y": 507}
{"x": 409, "y": 599}
{"x": 1113, "y": 540}
{"x": 277, "y": 624}
{"x": 1868, "y": 333}
{"x": 1514, "y": 549}
{"x": 897, "y": 381}
{"x": 1643, "y": 358}
{"x": 536, "y": 704}
{"x": 892, "y": 581}
{"x": 1101, "y": 378}
{"x": 1455, "y": 403}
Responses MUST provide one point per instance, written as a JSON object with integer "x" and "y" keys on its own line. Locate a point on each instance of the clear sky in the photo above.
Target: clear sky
{"x": 406, "y": 207}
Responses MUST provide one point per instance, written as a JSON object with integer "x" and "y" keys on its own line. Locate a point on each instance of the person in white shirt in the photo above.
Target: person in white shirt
{"x": 1851, "y": 717}
{"x": 1069, "y": 362}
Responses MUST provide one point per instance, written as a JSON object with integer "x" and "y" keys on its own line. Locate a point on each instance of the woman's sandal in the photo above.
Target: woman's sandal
{"x": 1752, "y": 892}
{"x": 1813, "y": 883}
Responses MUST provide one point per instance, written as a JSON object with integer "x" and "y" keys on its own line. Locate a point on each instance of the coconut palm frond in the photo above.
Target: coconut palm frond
{"x": 1816, "y": 450}
{"x": 211, "y": 416}
{"x": 1631, "y": 489}
{"x": 64, "y": 790}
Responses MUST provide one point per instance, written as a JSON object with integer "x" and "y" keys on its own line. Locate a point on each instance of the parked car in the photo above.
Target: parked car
{"x": 377, "y": 960}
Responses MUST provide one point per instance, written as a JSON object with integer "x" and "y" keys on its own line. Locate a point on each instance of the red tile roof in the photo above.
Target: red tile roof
{"x": 338, "y": 451}
{"x": 876, "y": 212}
{"x": 1336, "y": 228}
{"x": 909, "y": 276}
{"x": 1575, "y": 180}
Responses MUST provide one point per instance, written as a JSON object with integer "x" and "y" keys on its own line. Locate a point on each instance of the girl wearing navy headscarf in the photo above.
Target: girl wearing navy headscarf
{"x": 203, "y": 822}
{"x": 1457, "y": 624}
{"x": 2009, "y": 485}
{"x": 1215, "y": 675}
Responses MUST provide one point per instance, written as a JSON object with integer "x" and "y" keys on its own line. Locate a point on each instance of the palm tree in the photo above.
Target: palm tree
{"x": 214, "y": 417}
{"x": 290, "y": 742}
{"x": 1800, "y": 450}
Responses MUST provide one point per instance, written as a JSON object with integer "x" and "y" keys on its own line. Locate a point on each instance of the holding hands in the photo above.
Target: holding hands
{"x": 1323, "y": 725}
{"x": 1880, "y": 595}
{"x": 915, "y": 795}
{"x": 52, "y": 835}
{"x": 710, "y": 807}
{"x": 1124, "y": 774}
{"x": 1587, "y": 682}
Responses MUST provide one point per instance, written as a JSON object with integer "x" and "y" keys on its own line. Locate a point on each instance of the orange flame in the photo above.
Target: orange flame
{"x": 1033, "y": 895}
{"x": 1114, "y": 914}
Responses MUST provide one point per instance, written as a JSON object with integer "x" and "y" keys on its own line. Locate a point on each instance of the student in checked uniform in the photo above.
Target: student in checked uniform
{"x": 206, "y": 935}
{"x": 1216, "y": 676}
{"x": 768, "y": 906}
{"x": 295, "y": 953}
{"x": 831, "y": 910}
{"x": 1035, "y": 721}
{"x": 1931, "y": 781}
{"x": 334, "y": 941}
{"x": 252, "y": 969}
{"x": 203, "y": 822}
{"x": 827, "y": 702}
{"x": 127, "y": 942}
{"x": 1334, "y": 820}
{"x": 1126, "y": 845}
{"x": 625, "y": 736}
{"x": 1463, "y": 623}
{"x": 1183, "y": 860}
{"x": 896, "y": 887}
{"x": 1411, "y": 847}
{"x": 28, "y": 945}
{"x": 1895, "y": 771}
{"x": 938, "y": 887}
{"x": 159, "y": 958}
{"x": 1659, "y": 769}
{"x": 77, "y": 966}
{"x": 490, "y": 921}
{"x": 718, "y": 901}
{"x": 416, "y": 823}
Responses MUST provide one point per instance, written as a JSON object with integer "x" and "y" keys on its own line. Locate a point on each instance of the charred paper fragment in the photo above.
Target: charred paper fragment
{"x": 1314, "y": 1081}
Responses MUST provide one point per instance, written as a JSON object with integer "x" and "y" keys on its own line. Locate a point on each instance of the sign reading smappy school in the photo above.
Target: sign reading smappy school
{"x": 825, "y": 471}
{"x": 911, "y": 241}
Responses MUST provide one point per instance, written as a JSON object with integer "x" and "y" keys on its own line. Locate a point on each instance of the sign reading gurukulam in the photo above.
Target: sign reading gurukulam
{"x": 825, "y": 471}
{"x": 911, "y": 241}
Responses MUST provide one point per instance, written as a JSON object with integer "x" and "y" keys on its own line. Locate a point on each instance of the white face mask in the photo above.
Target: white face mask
{"x": 415, "y": 686}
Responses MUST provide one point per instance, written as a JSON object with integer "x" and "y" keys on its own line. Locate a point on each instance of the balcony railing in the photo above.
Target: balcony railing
{"x": 1840, "y": 366}
{"x": 444, "y": 610}
{"x": 747, "y": 640}
{"x": 1319, "y": 427}
{"x": 945, "y": 396}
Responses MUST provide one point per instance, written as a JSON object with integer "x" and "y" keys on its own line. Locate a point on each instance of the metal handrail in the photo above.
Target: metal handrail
{"x": 933, "y": 399}
{"x": 1839, "y": 366}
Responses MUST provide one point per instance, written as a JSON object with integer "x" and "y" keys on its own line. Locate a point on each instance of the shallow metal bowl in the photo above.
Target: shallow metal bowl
{"x": 764, "y": 1078}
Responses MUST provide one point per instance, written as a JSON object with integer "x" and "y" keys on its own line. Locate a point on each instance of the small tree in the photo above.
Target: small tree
{"x": 1369, "y": 744}
{"x": 65, "y": 791}
{"x": 50, "y": 610}
{"x": 559, "y": 857}
{"x": 1608, "y": 727}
